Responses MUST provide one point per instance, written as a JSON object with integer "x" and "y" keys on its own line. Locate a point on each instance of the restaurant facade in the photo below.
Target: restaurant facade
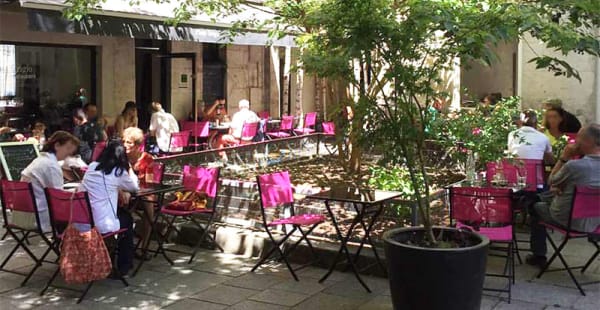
{"x": 125, "y": 53}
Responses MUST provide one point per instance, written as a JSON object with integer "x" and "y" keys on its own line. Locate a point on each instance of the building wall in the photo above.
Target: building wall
{"x": 579, "y": 98}
{"x": 480, "y": 80}
{"x": 115, "y": 58}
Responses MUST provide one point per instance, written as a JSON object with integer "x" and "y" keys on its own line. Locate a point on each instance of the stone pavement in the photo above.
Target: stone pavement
{"x": 224, "y": 281}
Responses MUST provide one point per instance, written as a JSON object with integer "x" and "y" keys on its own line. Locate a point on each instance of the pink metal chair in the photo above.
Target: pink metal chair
{"x": 310, "y": 119}
{"x": 60, "y": 203}
{"x": 487, "y": 211}
{"x": 198, "y": 179}
{"x": 199, "y": 130}
{"x": 328, "y": 137}
{"x": 249, "y": 131}
{"x": 98, "y": 148}
{"x": 179, "y": 141}
{"x": 18, "y": 196}
{"x": 275, "y": 190}
{"x": 264, "y": 114}
{"x": 329, "y": 128}
{"x": 285, "y": 128}
{"x": 585, "y": 205}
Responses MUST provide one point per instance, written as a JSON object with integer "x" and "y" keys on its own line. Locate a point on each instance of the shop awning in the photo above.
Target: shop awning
{"x": 118, "y": 18}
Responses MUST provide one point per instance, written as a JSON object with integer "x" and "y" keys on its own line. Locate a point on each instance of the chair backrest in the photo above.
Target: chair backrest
{"x": 310, "y": 119}
{"x": 197, "y": 129}
{"x": 571, "y": 136}
{"x": 157, "y": 169}
{"x": 586, "y": 202}
{"x": 275, "y": 189}
{"x": 201, "y": 179}
{"x": 328, "y": 128}
{"x": 179, "y": 139}
{"x": 60, "y": 203}
{"x": 17, "y": 196}
{"x": 249, "y": 130}
{"x": 481, "y": 205}
{"x": 512, "y": 168}
{"x": 264, "y": 114}
{"x": 287, "y": 123}
{"x": 98, "y": 148}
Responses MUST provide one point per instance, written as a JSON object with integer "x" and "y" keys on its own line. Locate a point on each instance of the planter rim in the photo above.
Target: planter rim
{"x": 387, "y": 239}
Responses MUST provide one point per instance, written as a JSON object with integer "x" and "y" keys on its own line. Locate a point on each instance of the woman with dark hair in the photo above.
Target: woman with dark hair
{"x": 554, "y": 124}
{"x": 128, "y": 118}
{"x": 103, "y": 180}
{"x": 45, "y": 170}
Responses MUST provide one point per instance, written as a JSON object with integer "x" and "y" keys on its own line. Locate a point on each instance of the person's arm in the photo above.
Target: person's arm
{"x": 129, "y": 182}
{"x": 153, "y": 124}
{"x": 119, "y": 124}
{"x": 560, "y": 171}
{"x": 548, "y": 156}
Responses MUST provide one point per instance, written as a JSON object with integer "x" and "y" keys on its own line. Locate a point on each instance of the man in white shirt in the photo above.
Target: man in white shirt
{"x": 527, "y": 142}
{"x": 244, "y": 115}
{"x": 162, "y": 125}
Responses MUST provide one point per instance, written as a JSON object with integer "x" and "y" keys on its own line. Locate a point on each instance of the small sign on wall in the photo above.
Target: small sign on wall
{"x": 183, "y": 81}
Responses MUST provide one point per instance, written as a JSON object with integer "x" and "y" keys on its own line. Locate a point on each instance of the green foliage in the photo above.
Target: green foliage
{"x": 396, "y": 178}
{"x": 483, "y": 130}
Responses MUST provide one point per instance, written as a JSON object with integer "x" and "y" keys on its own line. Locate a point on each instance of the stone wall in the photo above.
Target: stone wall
{"x": 578, "y": 97}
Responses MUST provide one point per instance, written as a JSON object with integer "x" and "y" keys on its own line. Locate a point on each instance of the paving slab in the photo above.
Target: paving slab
{"x": 189, "y": 303}
{"x": 380, "y": 302}
{"x": 279, "y": 297}
{"x": 256, "y": 281}
{"x": 179, "y": 286}
{"x": 304, "y": 286}
{"x": 327, "y": 301}
{"x": 518, "y": 305}
{"x": 540, "y": 293}
{"x": 255, "y": 305}
{"x": 225, "y": 295}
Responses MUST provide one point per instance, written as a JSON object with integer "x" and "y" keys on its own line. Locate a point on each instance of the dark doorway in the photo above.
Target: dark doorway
{"x": 150, "y": 77}
{"x": 213, "y": 72}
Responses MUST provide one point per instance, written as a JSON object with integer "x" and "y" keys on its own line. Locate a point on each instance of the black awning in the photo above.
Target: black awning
{"x": 103, "y": 25}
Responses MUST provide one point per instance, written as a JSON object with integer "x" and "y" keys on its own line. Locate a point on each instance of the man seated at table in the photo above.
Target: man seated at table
{"x": 529, "y": 143}
{"x": 244, "y": 115}
{"x": 162, "y": 125}
{"x": 564, "y": 176}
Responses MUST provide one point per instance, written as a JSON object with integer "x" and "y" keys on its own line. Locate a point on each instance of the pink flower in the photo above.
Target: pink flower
{"x": 476, "y": 131}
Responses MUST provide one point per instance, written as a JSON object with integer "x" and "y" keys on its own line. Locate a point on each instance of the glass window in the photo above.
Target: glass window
{"x": 43, "y": 82}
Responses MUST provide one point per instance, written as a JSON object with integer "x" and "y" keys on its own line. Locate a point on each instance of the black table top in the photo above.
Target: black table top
{"x": 355, "y": 195}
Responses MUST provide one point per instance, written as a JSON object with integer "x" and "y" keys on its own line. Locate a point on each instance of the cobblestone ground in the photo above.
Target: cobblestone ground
{"x": 224, "y": 281}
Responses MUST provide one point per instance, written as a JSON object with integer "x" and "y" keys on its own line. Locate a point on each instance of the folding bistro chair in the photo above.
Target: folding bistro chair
{"x": 18, "y": 196}
{"x": 275, "y": 190}
{"x": 249, "y": 131}
{"x": 586, "y": 204}
{"x": 284, "y": 130}
{"x": 179, "y": 141}
{"x": 199, "y": 131}
{"x": 264, "y": 114}
{"x": 512, "y": 168}
{"x": 59, "y": 205}
{"x": 310, "y": 119}
{"x": 487, "y": 211}
{"x": 201, "y": 180}
{"x": 329, "y": 136}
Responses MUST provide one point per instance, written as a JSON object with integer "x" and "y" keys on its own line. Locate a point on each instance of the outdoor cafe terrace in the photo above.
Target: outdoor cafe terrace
{"x": 215, "y": 280}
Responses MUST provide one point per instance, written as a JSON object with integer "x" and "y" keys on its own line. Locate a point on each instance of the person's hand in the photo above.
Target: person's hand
{"x": 570, "y": 151}
{"x": 19, "y": 137}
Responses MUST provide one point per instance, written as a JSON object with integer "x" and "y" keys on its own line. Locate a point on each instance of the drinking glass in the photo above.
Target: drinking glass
{"x": 522, "y": 177}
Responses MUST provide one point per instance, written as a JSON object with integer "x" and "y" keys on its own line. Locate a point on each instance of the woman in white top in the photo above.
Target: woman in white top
{"x": 45, "y": 170}
{"x": 104, "y": 178}
{"x": 162, "y": 125}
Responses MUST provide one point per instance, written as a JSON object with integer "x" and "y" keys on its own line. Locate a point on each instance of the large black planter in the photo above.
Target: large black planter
{"x": 435, "y": 278}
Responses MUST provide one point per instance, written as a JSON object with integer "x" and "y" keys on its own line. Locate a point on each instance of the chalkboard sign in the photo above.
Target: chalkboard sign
{"x": 15, "y": 157}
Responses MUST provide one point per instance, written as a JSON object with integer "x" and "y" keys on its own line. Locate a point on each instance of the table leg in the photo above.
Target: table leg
{"x": 343, "y": 248}
{"x": 367, "y": 236}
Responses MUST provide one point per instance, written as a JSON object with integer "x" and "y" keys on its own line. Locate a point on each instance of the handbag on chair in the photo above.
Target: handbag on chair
{"x": 83, "y": 255}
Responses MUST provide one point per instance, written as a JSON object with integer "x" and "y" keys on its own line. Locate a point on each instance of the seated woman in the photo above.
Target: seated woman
{"x": 103, "y": 180}
{"x": 554, "y": 125}
{"x": 139, "y": 160}
{"x": 45, "y": 170}
{"x": 127, "y": 118}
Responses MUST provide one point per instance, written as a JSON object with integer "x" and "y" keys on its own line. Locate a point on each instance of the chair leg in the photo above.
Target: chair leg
{"x": 50, "y": 282}
{"x": 553, "y": 257}
{"x": 277, "y": 247}
{"x": 589, "y": 262}
{"x": 5, "y": 235}
{"x": 85, "y": 291}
